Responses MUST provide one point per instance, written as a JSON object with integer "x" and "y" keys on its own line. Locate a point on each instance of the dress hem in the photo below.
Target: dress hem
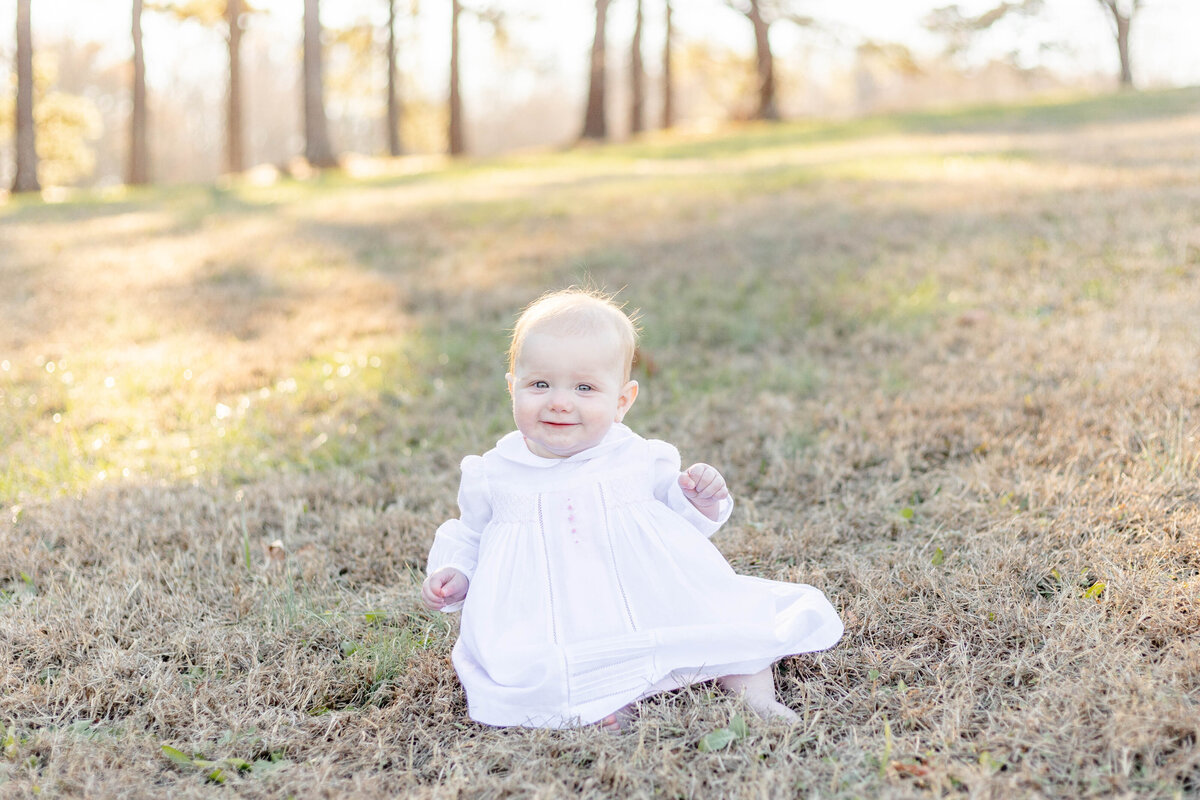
{"x": 503, "y": 715}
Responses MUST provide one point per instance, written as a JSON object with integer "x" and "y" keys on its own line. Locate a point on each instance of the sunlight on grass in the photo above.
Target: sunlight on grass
{"x": 72, "y": 424}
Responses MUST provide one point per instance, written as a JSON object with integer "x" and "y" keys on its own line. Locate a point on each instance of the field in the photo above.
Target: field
{"x": 949, "y": 363}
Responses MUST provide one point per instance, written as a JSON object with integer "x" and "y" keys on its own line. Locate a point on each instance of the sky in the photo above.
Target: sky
{"x": 1164, "y": 33}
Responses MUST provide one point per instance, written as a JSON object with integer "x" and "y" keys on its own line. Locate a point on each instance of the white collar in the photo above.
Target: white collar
{"x": 513, "y": 448}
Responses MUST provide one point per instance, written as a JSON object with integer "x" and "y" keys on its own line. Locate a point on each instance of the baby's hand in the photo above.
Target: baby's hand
{"x": 444, "y": 587}
{"x": 704, "y": 488}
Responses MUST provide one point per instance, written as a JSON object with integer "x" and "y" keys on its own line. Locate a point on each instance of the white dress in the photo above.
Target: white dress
{"x": 593, "y": 583}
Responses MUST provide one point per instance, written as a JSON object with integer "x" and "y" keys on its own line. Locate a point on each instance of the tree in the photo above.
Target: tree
{"x": 26, "y": 178}
{"x": 1122, "y": 13}
{"x": 317, "y": 149}
{"x": 137, "y": 168}
{"x": 668, "y": 104}
{"x": 637, "y": 76}
{"x": 458, "y": 144}
{"x": 64, "y": 125}
{"x": 235, "y": 157}
{"x": 491, "y": 16}
{"x": 765, "y": 62}
{"x": 595, "y": 120}
{"x": 762, "y": 15}
{"x": 395, "y": 146}
{"x": 209, "y": 13}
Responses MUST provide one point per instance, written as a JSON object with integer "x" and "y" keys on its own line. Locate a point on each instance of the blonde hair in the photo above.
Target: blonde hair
{"x": 574, "y": 311}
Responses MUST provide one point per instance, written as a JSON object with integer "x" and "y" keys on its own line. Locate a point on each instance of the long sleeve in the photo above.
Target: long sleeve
{"x": 666, "y": 471}
{"x": 456, "y": 543}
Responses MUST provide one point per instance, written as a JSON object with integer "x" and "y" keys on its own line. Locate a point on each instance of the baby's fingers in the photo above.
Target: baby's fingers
{"x": 714, "y": 492}
{"x": 707, "y": 483}
{"x": 455, "y": 589}
{"x": 443, "y": 588}
{"x": 430, "y": 597}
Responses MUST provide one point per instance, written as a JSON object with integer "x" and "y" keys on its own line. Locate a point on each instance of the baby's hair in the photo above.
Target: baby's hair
{"x": 576, "y": 310}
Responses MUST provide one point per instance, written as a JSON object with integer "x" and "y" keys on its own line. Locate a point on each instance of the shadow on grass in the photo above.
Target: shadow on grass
{"x": 1035, "y": 116}
{"x": 190, "y": 204}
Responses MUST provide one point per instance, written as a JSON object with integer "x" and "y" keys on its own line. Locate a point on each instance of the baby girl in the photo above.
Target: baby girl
{"x": 581, "y": 558}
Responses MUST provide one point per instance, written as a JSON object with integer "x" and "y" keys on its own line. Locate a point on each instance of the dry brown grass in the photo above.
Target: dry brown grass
{"x": 954, "y": 379}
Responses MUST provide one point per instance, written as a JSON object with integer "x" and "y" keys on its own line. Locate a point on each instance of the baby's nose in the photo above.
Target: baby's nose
{"x": 561, "y": 400}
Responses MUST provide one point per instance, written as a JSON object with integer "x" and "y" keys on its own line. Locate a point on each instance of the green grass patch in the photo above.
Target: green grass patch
{"x": 71, "y": 424}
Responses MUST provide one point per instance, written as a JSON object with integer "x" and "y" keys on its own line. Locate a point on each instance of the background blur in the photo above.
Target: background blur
{"x": 524, "y": 70}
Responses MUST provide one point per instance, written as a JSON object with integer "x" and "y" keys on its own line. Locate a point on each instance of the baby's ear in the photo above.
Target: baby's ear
{"x": 629, "y": 393}
{"x": 508, "y": 378}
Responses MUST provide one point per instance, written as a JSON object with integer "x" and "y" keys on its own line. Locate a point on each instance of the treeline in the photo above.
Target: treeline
{"x": 50, "y": 127}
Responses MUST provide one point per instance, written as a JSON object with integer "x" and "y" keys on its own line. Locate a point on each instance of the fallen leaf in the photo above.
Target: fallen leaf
{"x": 912, "y": 770}
{"x": 176, "y": 755}
{"x": 738, "y": 726}
{"x": 717, "y": 740}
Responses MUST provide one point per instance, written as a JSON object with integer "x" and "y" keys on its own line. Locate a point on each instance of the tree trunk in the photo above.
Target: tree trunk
{"x": 137, "y": 170}
{"x": 668, "y": 105}
{"x": 395, "y": 147}
{"x": 317, "y": 149}
{"x": 235, "y": 160}
{"x": 595, "y": 121}
{"x": 767, "y": 109}
{"x": 458, "y": 144}
{"x": 637, "y": 77}
{"x": 26, "y": 179}
{"x": 1123, "y": 23}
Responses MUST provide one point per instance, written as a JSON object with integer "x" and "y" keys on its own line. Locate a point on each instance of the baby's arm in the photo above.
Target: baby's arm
{"x": 699, "y": 495}
{"x": 704, "y": 488}
{"x": 455, "y": 552}
{"x": 444, "y": 587}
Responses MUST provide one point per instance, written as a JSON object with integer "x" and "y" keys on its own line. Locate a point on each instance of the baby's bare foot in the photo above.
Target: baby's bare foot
{"x": 770, "y": 708}
{"x": 758, "y": 690}
{"x": 619, "y": 720}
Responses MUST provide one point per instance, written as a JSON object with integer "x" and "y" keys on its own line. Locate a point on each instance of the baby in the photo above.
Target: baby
{"x": 581, "y": 558}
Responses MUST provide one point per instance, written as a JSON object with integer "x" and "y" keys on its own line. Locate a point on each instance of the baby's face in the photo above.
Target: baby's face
{"x": 568, "y": 391}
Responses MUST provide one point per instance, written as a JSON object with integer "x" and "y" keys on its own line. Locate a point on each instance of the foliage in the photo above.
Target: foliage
{"x": 721, "y": 80}
{"x": 960, "y": 30}
{"x": 773, "y": 11}
{"x": 205, "y": 12}
{"x": 66, "y": 126}
{"x": 66, "y": 123}
{"x": 354, "y": 75}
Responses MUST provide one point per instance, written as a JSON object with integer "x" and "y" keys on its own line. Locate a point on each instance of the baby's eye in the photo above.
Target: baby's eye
{"x": 584, "y": 387}
{"x": 541, "y": 385}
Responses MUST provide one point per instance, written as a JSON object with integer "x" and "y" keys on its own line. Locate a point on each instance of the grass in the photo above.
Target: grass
{"x": 948, "y": 362}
